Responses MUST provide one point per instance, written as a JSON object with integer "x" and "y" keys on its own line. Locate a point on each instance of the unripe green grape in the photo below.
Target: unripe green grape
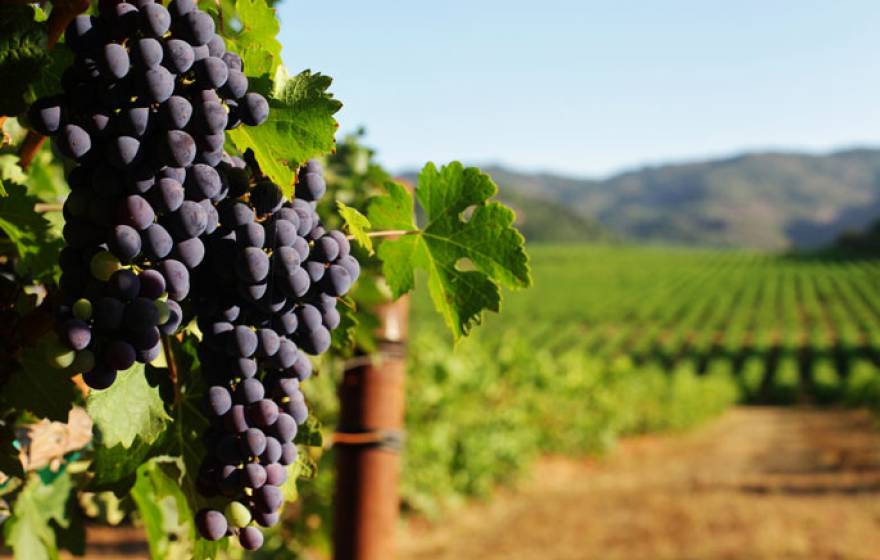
{"x": 82, "y": 309}
{"x": 103, "y": 265}
{"x": 164, "y": 311}
{"x": 59, "y": 356}
{"x": 238, "y": 514}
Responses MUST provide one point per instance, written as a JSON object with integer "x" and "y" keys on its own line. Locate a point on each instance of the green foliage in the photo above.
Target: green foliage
{"x": 148, "y": 427}
{"x": 167, "y": 515}
{"x": 23, "y": 56}
{"x": 300, "y": 126}
{"x": 256, "y": 42}
{"x": 37, "y": 388}
{"x": 357, "y": 225}
{"x": 130, "y": 422}
{"x": 35, "y": 241}
{"x": 468, "y": 246}
{"x": 29, "y": 530}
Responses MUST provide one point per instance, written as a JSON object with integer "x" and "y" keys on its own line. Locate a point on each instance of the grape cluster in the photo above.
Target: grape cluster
{"x": 143, "y": 113}
{"x": 162, "y": 225}
{"x": 265, "y": 298}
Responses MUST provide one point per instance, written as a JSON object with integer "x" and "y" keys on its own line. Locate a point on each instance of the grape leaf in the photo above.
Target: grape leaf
{"x": 256, "y": 42}
{"x": 468, "y": 247}
{"x": 357, "y": 224}
{"x": 10, "y": 171}
{"x": 23, "y": 56}
{"x": 300, "y": 126}
{"x": 128, "y": 410}
{"x": 166, "y": 514}
{"x": 130, "y": 423}
{"x": 37, "y": 245}
{"x": 309, "y": 433}
{"x": 28, "y": 531}
{"x": 37, "y": 388}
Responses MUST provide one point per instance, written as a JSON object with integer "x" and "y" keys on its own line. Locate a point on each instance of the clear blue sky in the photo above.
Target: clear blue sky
{"x": 590, "y": 88}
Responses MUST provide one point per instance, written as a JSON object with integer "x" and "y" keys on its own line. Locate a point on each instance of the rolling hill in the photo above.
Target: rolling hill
{"x": 756, "y": 200}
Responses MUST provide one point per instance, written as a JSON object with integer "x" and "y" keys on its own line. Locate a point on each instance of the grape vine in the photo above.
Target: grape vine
{"x": 178, "y": 278}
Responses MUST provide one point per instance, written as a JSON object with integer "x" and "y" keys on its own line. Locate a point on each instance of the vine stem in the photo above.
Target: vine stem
{"x": 60, "y": 17}
{"x": 172, "y": 368}
{"x": 388, "y": 233}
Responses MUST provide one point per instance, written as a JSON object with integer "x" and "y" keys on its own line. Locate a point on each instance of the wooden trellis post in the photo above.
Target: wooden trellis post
{"x": 369, "y": 441}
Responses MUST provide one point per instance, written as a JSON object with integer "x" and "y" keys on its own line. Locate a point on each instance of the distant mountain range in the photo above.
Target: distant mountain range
{"x": 756, "y": 200}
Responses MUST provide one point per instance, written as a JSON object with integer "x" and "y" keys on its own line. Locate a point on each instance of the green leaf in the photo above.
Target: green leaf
{"x": 28, "y": 531}
{"x": 309, "y": 434}
{"x": 256, "y": 43}
{"x": 300, "y": 126}
{"x": 37, "y": 388}
{"x": 37, "y": 243}
{"x": 23, "y": 56}
{"x": 183, "y": 448}
{"x": 343, "y": 336}
{"x": 128, "y": 410}
{"x": 469, "y": 247}
{"x": 72, "y": 537}
{"x": 130, "y": 423}
{"x": 357, "y": 225}
{"x": 167, "y": 516}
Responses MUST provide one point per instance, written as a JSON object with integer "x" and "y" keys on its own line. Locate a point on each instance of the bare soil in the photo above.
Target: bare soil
{"x": 758, "y": 483}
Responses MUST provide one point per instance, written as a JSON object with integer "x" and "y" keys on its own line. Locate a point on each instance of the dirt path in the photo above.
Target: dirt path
{"x": 758, "y": 483}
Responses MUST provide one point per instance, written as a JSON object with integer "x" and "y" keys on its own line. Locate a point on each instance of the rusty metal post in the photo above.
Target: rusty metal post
{"x": 368, "y": 444}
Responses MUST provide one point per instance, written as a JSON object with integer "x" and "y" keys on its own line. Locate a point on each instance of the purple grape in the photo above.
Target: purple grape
{"x": 141, "y": 315}
{"x": 46, "y": 115}
{"x": 74, "y": 142}
{"x": 268, "y": 498}
{"x": 197, "y": 27}
{"x": 176, "y": 278}
{"x": 254, "y": 475}
{"x": 262, "y": 413}
{"x": 252, "y": 265}
{"x": 125, "y": 243}
{"x": 211, "y": 72}
{"x": 211, "y": 524}
{"x": 124, "y": 285}
{"x": 77, "y": 334}
{"x": 254, "y": 109}
{"x": 219, "y": 400}
{"x": 190, "y": 220}
{"x": 168, "y": 195}
{"x": 114, "y": 60}
{"x": 190, "y": 252}
{"x": 284, "y": 428}
{"x": 100, "y": 377}
{"x": 156, "y": 242}
{"x": 179, "y": 148}
{"x": 152, "y": 284}
{"x": 157, "y": 84}
{"x": 156, "y": 19}
{"x": 250, "y": 538}
{"x": 108, "y": 313}
{"x": 176, "y": 112}
{"x": 119, "y": 355}
{"x": 235, "y": 420}
{"x": 276, "y": 474}
{"x": 179, "y": 56}
{"x": 253, "y": 442}
{"x": 288, "y": 454}
{"x": 273, "y": 451}
{"x": 249, "y": 391}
